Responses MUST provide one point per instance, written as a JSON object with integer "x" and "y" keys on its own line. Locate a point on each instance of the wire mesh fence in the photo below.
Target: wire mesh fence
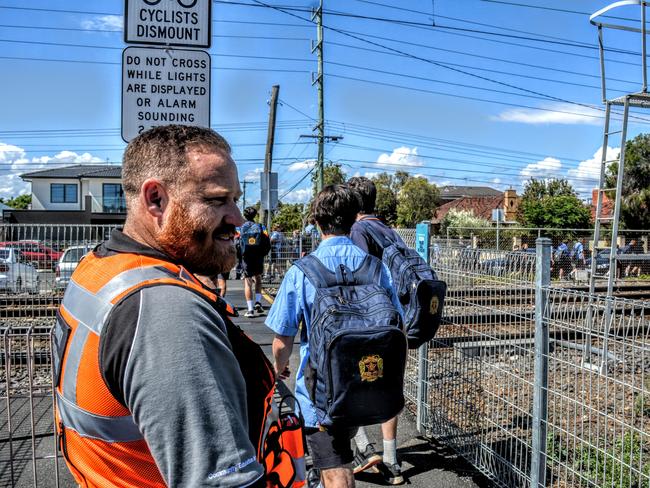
{"x": 573, "y": 249}
{"x": 484, "y": 376}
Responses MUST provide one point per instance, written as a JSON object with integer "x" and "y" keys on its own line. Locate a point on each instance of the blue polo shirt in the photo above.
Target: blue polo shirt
{"x": 295, "y": 297}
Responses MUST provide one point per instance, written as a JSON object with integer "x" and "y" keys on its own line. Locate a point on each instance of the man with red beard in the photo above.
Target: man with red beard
{"x": 155, "y": 386}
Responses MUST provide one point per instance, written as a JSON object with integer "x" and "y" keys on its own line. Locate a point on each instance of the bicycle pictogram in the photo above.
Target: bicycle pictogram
{"x": 185, "y": 4}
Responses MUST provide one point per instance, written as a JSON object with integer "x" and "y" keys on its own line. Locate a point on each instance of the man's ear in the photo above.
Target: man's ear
{"x": 155, "y": 196}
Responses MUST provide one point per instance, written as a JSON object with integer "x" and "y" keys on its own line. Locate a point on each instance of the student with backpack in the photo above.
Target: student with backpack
{"x": 352, "y": 345}
{"x": 365, "y": 456}
{"x": 255, "y": 245}
{"x": 421, "y": 296}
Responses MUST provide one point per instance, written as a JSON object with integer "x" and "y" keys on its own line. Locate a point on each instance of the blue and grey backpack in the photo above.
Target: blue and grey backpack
{"x": 420, "y": 292}
{"x": 357, "y": 349}
{"x": 255, "y": 243}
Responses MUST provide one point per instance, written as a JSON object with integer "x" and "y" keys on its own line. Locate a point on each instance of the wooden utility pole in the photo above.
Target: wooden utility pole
{"x": 318, "y": 15}
{"x": 268, "y": 157}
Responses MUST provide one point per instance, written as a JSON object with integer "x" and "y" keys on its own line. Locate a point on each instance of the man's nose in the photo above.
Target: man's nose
{"x": 235, "y": 217}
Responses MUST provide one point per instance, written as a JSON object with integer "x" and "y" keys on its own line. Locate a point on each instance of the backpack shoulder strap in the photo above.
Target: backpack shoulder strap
{"x": 316, "y": 272}
{"x": 377, "y": 237}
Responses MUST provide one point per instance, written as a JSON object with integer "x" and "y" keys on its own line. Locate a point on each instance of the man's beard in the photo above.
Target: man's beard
{"x": 190, "y": 243}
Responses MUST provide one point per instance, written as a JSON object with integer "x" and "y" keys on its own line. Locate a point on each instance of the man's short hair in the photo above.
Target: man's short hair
{"x": 161, "y": 152}
{"x": 335, "y": 209}
{"x": 367, "y": 192}
{"x": 250, "y": 213}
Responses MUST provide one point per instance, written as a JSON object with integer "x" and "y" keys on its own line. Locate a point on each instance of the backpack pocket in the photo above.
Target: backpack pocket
{"x": 365, "y": 382}
{"x": 427, "y": 301}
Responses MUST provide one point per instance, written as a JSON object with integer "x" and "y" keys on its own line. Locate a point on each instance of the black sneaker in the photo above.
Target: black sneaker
{"x": 259, "y": 308}
{"x": 392, "y": 473}
{"x": 367, "y": 459}
{"x": 250, "y": 314}
{"x": 313, "y": 478}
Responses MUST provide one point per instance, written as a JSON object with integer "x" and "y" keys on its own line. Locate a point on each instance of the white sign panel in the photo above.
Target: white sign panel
{"x": 164, "y": 86}
{"x": 168, "y": 22}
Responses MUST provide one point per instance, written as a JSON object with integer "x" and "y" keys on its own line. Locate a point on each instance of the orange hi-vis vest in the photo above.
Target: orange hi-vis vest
{"x": 101, "y": 443}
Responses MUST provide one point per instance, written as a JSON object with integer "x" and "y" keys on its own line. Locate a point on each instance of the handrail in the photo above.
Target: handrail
{"x": 612, "y": 6}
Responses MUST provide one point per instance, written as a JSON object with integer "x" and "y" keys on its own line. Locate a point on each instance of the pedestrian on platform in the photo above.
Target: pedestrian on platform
{"x": 255, "y": 245}
{"x": 155, "y": 387}
{"x": 365, "y": 456}
{"x": 335, "y": 211}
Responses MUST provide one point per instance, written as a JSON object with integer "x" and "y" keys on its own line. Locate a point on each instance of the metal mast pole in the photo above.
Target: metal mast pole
{"x": 318, "y": 15}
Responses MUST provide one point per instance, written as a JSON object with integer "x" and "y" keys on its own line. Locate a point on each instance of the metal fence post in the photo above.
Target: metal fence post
{"x": 422, "y": 246}
{"x": 540, "y": 392}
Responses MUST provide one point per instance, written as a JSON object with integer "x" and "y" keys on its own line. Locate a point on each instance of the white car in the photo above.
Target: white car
{"x": 68, "y": 263}
{"x": 17, "y": 274}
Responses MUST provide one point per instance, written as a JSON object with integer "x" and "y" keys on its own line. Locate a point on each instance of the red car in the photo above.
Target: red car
{"x": 38, "y": 254}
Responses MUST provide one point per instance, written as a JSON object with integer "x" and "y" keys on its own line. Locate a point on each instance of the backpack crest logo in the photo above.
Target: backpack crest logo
{"x": 434, "y": 306}
{"x": 371, "y": 368}
{"x": 252, "y": 240}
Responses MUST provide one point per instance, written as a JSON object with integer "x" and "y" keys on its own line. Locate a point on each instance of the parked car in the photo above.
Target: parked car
{"x": 17, "y": 274}
{"x": 68, "y": 263}
{"x": 42, "y": 256}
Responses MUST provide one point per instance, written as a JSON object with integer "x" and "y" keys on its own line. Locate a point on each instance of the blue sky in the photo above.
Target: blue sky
{"x": 462, "y": 91}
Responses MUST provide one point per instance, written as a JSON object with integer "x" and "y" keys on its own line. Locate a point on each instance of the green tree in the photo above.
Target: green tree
{"x": 386, "y": 204}
{"x": 552, "y": 203}
{"x": 635, "y": 196}
{"x": 332, "y": 175}
{"x": 462, "y": 218}
{"x": 416, "y": 201}
{"x": 289, "y": 216}
{"x": 21, "y": 202}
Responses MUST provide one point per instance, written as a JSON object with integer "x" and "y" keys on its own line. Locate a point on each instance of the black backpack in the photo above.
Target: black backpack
{"x": 418, "y": 288}
{"x": 254, "y": 242}
{"x": 357, "y": 349}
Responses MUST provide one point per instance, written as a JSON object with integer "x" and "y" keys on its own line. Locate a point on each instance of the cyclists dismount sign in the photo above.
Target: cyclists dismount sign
{"x": 168, "y": 22}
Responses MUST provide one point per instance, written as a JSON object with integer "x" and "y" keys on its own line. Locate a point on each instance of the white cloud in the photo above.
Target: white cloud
{"x": 297, "y": 196}
{"x": 104, "y": 22}
{"x": 402, "y": 156}
{"x": 253, "y": 175}
{"x": 586, "y": 175}
{"x": 16, "y": 162}
{"x": 547, "y": 168}
{"x": 554, "y": 113}
{"x": 302, "y": 165}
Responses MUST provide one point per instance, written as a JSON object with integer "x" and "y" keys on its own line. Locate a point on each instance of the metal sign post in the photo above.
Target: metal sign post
{"x": 422, "y": 238}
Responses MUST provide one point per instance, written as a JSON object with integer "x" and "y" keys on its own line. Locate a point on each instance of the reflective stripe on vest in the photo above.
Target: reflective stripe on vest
{"x": 86, "y": 424}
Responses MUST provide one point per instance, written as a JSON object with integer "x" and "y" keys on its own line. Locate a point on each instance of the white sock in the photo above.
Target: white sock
{"x": 390, "y": 451}
{"x": 361, "y": 439}
{"x": 249, "y": 304}
{"x": 258, "y": 297}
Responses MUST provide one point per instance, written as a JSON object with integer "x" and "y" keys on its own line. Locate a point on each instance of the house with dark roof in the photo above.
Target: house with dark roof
{"x": 82, "y": 193}
{"x": 482, "y": 206}
{"x": 451, "y": 193}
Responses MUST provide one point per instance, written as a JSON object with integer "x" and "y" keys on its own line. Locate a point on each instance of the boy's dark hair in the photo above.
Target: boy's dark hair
{"x": 250, "y": 213}
{"x": 335, "y": 209}
{"x": 367, "y": 192}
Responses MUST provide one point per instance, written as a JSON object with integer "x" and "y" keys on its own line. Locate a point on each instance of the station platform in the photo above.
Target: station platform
{"x": 425, "y": 463}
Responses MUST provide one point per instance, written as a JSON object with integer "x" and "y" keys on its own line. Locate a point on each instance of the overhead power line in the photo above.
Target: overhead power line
{"x": 457, "y": 70}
